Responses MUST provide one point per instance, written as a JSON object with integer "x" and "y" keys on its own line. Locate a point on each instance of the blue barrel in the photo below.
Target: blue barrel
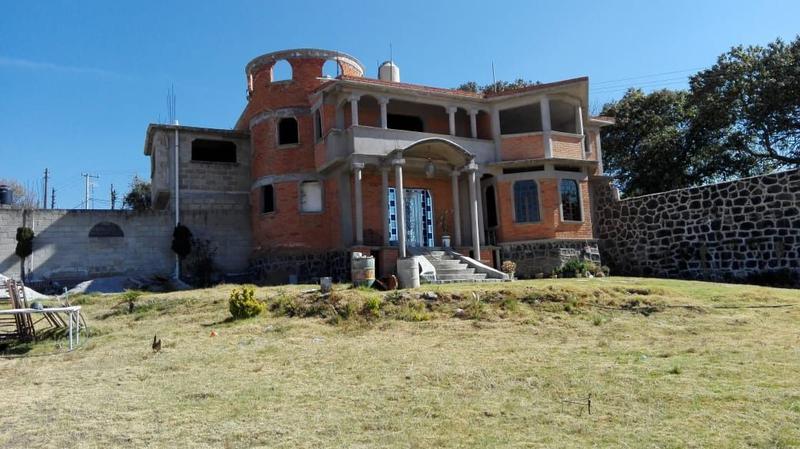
{"x": 6, "y": 195}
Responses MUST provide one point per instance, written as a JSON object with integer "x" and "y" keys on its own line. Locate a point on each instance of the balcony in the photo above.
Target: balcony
{"x": 372, "y": 141}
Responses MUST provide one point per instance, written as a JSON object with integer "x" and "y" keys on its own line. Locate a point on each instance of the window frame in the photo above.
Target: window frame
{"x": 263, "y": 199}
{"x": 538, "y": 201}
{"x": 300, "y": 197}
{"x": 561, "y": 200}
{"x": 278, "y": 132}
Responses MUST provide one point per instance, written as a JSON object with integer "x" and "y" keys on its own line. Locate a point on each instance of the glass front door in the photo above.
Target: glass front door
{"x": 419, "y": 217}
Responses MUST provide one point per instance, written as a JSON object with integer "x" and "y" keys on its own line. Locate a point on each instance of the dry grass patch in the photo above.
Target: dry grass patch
{"x": 398, "y": 370}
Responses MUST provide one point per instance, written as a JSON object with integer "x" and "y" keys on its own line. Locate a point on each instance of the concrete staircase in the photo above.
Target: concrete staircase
{"x": 451, "y": 269}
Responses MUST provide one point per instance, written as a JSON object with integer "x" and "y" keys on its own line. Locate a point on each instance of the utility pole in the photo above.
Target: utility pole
{"x": 53, "y": 199}
{"x": 87, "y": 182}
{"x": 113, "y": 197}
{"x": 46, "y": 178}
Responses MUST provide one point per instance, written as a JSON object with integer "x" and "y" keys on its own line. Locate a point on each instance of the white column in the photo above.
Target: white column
{"x": 385, "y": 204}
{"x": 401, "y": 205}
{"x": 383, "y": 101}
{"x": 357, "y": 168}
{"x": 472, "y": 170}
{"x": 546, "y": 128}
{"x": 473, "y": 123}
{"x": 579, "y": 125}
{"x": 456, "y": 209}
{"x": 354, "y": 110}
{"x": 451, "y": 111}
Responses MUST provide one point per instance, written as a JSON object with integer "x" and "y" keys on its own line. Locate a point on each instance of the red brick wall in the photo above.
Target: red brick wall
{"x": 567, "y": 147}
{"x": 522, "y": 147}
{"x": 550, "y": 226}
{"x": 288, "y": 228}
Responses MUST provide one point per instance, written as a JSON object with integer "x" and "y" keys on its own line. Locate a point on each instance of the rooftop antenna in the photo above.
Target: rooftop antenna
{"x": 494, "y": 80}
{"x": 391, "y": 61}
{"x": 171, "y": 106}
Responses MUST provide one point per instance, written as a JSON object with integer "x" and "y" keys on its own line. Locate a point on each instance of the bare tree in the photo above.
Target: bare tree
{"x": 23, "y": 197}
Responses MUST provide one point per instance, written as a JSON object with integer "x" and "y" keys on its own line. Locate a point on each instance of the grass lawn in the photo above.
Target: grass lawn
{"x": 514, "y": 370}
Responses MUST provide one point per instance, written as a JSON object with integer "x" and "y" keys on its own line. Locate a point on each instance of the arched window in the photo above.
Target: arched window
{"x": 331, "y": 69}
{"x": 570, "y": 201}
{"x": 281, "y": 71}
{"x": 526, "y": 202}
{"x": 106, "y": 229}
{"x": 287, "y": 131}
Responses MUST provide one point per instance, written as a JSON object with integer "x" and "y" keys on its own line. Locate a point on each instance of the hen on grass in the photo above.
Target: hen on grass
{"x": 156, "y": 344}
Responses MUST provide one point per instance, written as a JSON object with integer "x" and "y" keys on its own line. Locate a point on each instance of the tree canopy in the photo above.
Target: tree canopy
{"x": 138, "y": 198}
{"x": 740, "y": 117}
{"x": 497, "y": 86}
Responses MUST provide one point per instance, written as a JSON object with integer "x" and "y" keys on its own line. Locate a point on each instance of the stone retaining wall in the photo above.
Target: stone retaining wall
{"x": 736, "y": 230}
{"x": 280, "y": 267}
{"x": 543, "y": 256}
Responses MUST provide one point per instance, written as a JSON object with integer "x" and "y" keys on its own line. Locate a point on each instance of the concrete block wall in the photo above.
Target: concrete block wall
{"x": 63, "y": 250}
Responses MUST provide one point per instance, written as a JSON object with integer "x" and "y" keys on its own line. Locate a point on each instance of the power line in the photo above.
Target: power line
{"x": 652, "y": 75}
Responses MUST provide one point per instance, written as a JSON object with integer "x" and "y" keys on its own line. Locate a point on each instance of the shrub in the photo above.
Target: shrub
{"x": 200, "y": 263}
{"x": 579, "y": 268}
{"x": 372, "y": 307}
{"x": 508, "y": 267}
{"x": 476, "y": 309}
{"x": 414, "y": 310}
{"x": 130, "y": 297}
{"x": 243, "y": 303}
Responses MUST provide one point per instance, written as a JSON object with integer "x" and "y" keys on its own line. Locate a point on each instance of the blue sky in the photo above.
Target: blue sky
{"x": 80, "y": 81}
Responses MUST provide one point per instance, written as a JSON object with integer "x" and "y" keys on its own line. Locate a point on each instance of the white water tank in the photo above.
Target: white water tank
{"x": 388, "y": 71}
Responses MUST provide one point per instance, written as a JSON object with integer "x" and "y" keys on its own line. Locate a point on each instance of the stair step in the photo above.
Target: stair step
{"x": 455, "y": 271}
{"x": 460, "y": 277}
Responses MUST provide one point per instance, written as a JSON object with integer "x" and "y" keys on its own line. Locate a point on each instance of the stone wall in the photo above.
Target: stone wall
{"x": 301, "y": 266}
{"x": 729, "y": 231}
{"x": 543, "y": 256}
{"x": 64, "y": 251}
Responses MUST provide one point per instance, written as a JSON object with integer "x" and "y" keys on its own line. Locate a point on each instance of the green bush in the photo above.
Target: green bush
{"x": 243, "y": 303}
{"x": 372, "y": 307}
{"x": 579, "y": 268}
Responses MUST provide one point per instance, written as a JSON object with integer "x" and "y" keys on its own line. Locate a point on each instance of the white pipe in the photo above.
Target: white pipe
{"x": 177, "y": 197}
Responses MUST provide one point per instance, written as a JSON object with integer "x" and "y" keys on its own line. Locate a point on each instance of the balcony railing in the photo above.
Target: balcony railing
{"x": 369, "y": 140}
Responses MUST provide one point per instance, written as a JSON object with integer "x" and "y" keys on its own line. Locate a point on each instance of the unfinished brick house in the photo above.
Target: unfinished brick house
{"x": 347, "y": 163}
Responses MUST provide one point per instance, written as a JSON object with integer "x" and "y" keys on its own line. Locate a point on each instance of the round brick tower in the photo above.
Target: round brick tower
{"x": 292, "y": 204}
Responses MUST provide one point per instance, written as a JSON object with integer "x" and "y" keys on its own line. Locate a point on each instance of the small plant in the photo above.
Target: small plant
{"x": 243, "y": 303}
{"x": 130, "y": 297}
{"x": 510, "y": 304}
{"x": 509, "y": 267}
{"x": 372, "y": 307}
{"x": 414, "y": 310}
{"x": 476, "y": 309}
{"x": 675, "y": 370}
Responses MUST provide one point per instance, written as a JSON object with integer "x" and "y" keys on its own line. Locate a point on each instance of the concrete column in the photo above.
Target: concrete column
{"x": 385, "y": 204}
{"x": 472, "y": 171}
{"x": 599, "y": 151}
{"x": 451, "y": 111}
{"x": 479, "y": 193}
{"x": 401, "y": 205}
{"x": 383, "y": 101}
{"x": 546, "y": 128}
{"x": 473, "y": 123}
{"x": 579, "y": 130}
{"x": 354, "y": 110}
{"x": 456, "y": 209}
{"x": 359, "y": 209}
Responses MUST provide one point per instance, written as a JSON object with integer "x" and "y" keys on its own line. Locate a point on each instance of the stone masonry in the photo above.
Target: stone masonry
{"x": 727, "y": 231}
{"x": 543, "y": 256}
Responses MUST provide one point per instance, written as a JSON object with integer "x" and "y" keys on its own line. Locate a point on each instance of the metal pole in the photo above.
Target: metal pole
{"x": 177, "y": 198}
